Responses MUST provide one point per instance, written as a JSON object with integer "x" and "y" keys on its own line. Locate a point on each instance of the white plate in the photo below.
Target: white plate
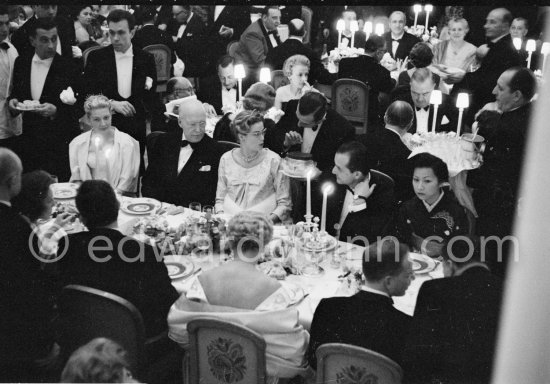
{"x": 179, "y": 266}
{"x": 64, "y": 190}
{"x": 140, "y": 206}
{"x": 422, "y": 263}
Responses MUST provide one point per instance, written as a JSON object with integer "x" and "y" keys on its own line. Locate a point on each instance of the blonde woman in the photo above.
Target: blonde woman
{"x": 104, "y": 153}
{"x": 296, "y": 68}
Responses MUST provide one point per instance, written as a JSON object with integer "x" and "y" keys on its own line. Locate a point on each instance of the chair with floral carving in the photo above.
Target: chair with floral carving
{"x": 348, "y": 364}
{"x": 163, "y": 63}
{"x": 223, "y": 352}
{"x": 350, "y": 98}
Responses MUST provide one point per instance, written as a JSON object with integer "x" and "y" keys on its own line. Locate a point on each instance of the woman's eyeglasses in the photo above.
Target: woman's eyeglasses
{"x": 258, "y": 133}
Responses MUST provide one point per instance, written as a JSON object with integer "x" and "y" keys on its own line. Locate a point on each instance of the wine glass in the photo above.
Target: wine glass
{"x": 207, "y": 209}
{"x": 203, "y": 243}
{"x": 195, "y": 206}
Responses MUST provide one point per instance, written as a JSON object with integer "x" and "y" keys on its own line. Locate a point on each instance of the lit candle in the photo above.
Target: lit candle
{"x": 265, "y": 75}
{"x": 368, "y": 29}
{"x": 462, "y": 103}
{"x": 340, "y": 26}
{"x": 517, "y": 42}
{"x": 428, "y": 8}
{"x": 353, "y": 27}
{"x": 435, "y": 99}
{"x": 545, "y": 50}
{"x": 309, "y": 175}
{"x": 530, "y": 47}
{"x": 379, "y": 29}
{"x": 327, "y": 190}
{"x": 417, "y": 9}
{"x": 240, "y": 75}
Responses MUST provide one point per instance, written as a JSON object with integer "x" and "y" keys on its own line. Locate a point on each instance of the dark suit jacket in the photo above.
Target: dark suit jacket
{"x": 192, "y": 46}
{"x": 405, "y": 45}
{"x": 253, "y": 47}
{"x": 391, "y": 157}
{"x": 149, "y": 35}
{"x": 210, "y": 91}
{"x": 317, "y": 72}
{"x": 65, "y": 31}
{"x": 447, "y": 109}
{"x": 26, "y": 301}
{"x": 365, "y": 319}
{"x": 453, "y": 333}
{"x": 370, "y": 222}
{"x": 47, "y": 140}
{"x": 144, "y": 282}
{"x": 100, "y": 77}
{"x": 368, "y": 70}
{"x": 162, "y": 181}
{"x": 501, "y": 56}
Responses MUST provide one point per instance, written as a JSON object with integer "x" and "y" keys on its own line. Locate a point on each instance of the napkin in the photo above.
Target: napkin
{"x": 67, "y": 96}
{"x": 77, "y": 52}
{"x": 172, "y": 104}
{"x": 148, "y": 83}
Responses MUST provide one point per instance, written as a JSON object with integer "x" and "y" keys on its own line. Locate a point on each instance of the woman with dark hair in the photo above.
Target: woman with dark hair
{"x": 87, "y": 30}
{"x": 248, "y": 176}
{"x": 433, "y": 212}
{"x": 421, "y": 56}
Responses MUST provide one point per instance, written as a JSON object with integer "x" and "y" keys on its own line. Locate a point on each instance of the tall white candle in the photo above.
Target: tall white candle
{"x": 435, "y": 99}
{"x": 308, "y": 194}
{"x": 428, "y": 8}
{"x": 340, "y": 26}
{"x": 379, "y": 30}
{"x": 417, "y": 9}
{"x": 462, "y": 102}
{"x": 240, "y": 75}
{"x": 367, "y": 29}
{"x": 530, "y": 47}
{"x": 327, "y": 190}
{"x": 353, "y": 27}
{"x": 545, "y": 50}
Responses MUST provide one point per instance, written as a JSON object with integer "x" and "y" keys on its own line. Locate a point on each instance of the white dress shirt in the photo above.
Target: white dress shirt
{"x": 395, "y": 44}
{"x": 182, "y": 27}
{"x": 9, "y": 125}
{"x": 349, "y": 200}
{"x": 185, "y": 154}
{"x": 39, "y": 72}
{"x": 309, "y": 138}
{"x": 422, "y": 120}
{"x": 229, "y": 97}
{"x": 217, "y": 11}
{"x": 273, "y": 40}
{"x": 124, "y": 64}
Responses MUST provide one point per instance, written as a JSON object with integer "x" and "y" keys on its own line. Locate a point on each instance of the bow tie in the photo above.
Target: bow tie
{"x": 184, "y": 143}
{"x": 45, "y": 62}
{"x": 398, "y": 40}
{"x": 350, "y": 189}
{"x": 418, "y": 109}
{"x": 490, "y": 44}
{"x": 314, "y": 128}
{"x": 5, "y": 46}
{"x": 274, "y": 32}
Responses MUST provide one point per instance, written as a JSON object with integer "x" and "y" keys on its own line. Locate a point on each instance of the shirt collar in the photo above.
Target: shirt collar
{"x": 129, "y": 52}
{"x": 5, "y": 202}
{"x": 397, "y": 37}
{"x": 430, "y": 207}
{"x": 393, "y": 130}
{"x": 37, "y": 59}
{"x": 375, "y": 291}
{"x": 498, "y": 38}
{"x": 300, "y": 39}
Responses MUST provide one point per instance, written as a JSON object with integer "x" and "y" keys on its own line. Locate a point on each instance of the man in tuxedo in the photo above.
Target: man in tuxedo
{"x": 453, "y": 332}
{"x": 125, "y": 74}
{"x": 257, "y": 40}
{"x": 49, "y": 127}
{"x": 294, "y": 46}
{"x": 348, "y": 15}
{"x": 501, "y": 55}
{"x": 65, "y": 32}
{"x": 149, "y": 34}
{"x": 10, "y": 126}
{"x": 26, "y": 298}
{"x": 220, "y": 91}
{"x": 369, "y": 200}
{"x": 368, "y": 318}
{"x": 398, "y": 41}
{"x": 389, "y": 153}
{"x": 367, "y": 69}
{"x": 190, "y": 38}
{"x": 418, "y": 94}
{"x": 183, "y": 168}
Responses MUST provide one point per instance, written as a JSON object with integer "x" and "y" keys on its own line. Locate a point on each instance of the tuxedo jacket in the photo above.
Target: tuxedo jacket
{"x": 100, "y": 76}
{"x": 405, "y": 45}
{"x": 390, "y": 156}
{"x": 144, "y": 283}
{"x": 365, "y": 319}
{"x": 370, "y": 222}
{"x": 210, "y": 91}
{"x": 317, "y": 72}
{"x": 446, "y": 111}
{"x": 65, "y": 32}
{"x": 453, "y": 332}
{"x": 149, "y": 35}
{"x": 254, "y": 45}
{"x": 26, "y": 301}
{"x": 368, "y": 70}
{"x": 196, "y": 182}
{"x": 192, "y": 46}
{"x": 358, "y": 40}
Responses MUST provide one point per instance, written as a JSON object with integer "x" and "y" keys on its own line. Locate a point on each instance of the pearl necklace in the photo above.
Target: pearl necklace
{"x": 249, "y": 159}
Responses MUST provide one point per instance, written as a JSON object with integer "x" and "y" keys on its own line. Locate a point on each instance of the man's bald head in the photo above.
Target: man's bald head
{"x": 10, "y": 174}
{"x": 498, "y": 23}
{"x": 179, "y": 87}
{"x": 192, "y": 119}
{"x": 296, "y": 28}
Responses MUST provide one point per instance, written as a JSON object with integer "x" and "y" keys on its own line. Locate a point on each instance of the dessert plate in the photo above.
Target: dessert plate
{"x": 64, "y": 190}
{"x": 140, "y": 206}
{"x": 422, "y": 263}
{"x": 178, "y": 266}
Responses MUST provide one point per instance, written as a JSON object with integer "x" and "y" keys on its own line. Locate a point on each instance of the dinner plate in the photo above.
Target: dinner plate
{"x": 140, "y": 206}
{"x": 64, "y": 190}
{"x": 421, "y": 263}
{"x": 178, "y": 266}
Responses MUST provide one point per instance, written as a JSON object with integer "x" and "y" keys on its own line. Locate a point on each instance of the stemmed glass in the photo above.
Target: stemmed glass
{"x": 195, "y": 206}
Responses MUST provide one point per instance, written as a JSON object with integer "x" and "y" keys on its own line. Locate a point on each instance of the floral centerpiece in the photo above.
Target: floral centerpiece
{"x": 432, "y": 37}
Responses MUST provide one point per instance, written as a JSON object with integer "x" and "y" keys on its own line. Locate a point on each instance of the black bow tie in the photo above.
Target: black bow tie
{"x": 425, "y": 108}
{"x": 184, "y": 143}
{"x": 398, "y": 40}
{"x": 274, "y": 32}
{"x": 350, "y": 189}
{"x": 490, "y": 44}
{"x": 5, "y": 46}
{"x": 314, "y": 128}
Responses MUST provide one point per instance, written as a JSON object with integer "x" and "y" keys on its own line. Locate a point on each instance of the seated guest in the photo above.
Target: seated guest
{"x": 34, "y": 203}
{"x": 296, "y": 68}
{"x": 368, "y": 318}
{"x": 455, "y": 52}
{"x": 249, "y": 177}
{"x": 398, "y": 41}
{"x": 26, "y": 299}
{"x": 255, "y": 300}
{"x": 421, "y": 56}
{"x": 453, "y": 333}
{"x": 143, "y": 282}
{"x": 179, "y": 163}
{"x": 418, "y": 94}
{"x": 388, "y": 151}
{"x": 259, "y": 97}
{"x": 369, "y": 201}
{"x": 348, "y": 15}
{"x": 104, "y": 152}
{"x": 82, "y": 23}
{"x": 149, "y": 34}
{"x": 367, "y": 69}
{"x": 434, "y": 212}
{"x": 99, "y": 361}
